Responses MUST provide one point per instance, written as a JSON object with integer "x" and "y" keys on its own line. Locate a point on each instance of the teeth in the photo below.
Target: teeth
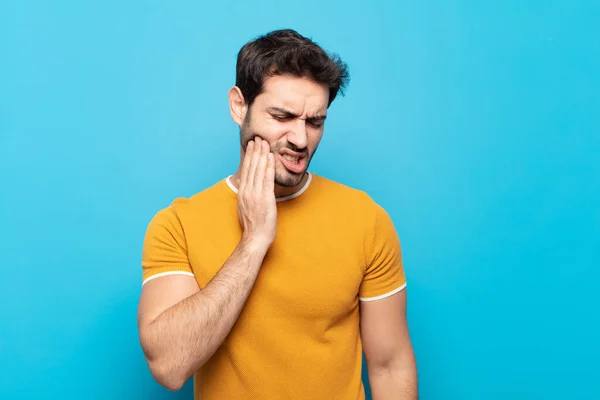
{"x": 291, "y": 158}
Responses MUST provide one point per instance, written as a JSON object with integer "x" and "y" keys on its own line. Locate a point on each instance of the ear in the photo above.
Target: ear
{"x": 237, "y": 105}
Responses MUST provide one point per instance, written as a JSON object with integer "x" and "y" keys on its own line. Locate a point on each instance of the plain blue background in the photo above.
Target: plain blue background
{"x": 476, "y": 124}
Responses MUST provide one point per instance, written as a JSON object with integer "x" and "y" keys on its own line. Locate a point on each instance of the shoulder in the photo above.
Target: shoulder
{"x": 182, "y": 207}
{"x": 346, "y": 196}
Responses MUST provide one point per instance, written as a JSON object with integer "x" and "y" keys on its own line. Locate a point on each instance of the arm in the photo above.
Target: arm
{"x": 388, "y": 350}
{"x": 181, "y": 326}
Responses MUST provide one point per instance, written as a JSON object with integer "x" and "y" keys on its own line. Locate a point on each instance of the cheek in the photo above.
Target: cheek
{"x": 263, "y": 128}
{"x": 314, "y": 139}
{"x": 270, "y": 130}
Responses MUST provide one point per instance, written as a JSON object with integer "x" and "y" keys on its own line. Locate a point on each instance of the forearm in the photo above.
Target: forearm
{"x": 181, "y": 339}
{"x": 394, "y": 383}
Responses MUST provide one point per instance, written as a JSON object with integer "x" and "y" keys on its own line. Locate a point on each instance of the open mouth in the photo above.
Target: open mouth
{"x": 293, "y": 163}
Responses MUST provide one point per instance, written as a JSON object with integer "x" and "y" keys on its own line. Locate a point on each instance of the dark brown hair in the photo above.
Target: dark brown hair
{"x": 287, "y": 52}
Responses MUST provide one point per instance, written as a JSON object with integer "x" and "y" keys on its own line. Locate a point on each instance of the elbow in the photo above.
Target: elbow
{"x": 399, "y": 365}
{"x": 167, "y": 375}
{"x": 165, "y": 370}
{"x": 169, "y": 370}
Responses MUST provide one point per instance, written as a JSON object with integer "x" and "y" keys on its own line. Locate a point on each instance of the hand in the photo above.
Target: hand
{"x": 257, "y": 209}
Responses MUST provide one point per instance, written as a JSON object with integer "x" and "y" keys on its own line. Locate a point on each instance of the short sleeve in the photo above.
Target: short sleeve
{"x": 384, "y": 274}
{"x": 165, "y": 250}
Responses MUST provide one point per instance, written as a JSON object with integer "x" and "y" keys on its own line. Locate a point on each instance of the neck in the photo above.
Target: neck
{"x": 280, "y": 191}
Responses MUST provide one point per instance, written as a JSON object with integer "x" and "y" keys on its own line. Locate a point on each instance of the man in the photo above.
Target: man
{"x": 270, "y": 283}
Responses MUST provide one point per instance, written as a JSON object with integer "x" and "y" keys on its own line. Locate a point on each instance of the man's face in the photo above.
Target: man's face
{"x": 289, "y": 114}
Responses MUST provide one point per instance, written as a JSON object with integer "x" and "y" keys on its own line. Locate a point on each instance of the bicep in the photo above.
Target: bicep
{"x": 384, "y": 330}
{"x": 161, "y": 293}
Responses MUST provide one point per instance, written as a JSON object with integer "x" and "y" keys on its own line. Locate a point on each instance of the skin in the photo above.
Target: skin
{"x": 181, "y": 326}
{"x": 289, "y": 114}
{"x": 391, "y": 362}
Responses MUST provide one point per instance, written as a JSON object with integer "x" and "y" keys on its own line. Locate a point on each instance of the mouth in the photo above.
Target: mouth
{"x": 293, "y": 162}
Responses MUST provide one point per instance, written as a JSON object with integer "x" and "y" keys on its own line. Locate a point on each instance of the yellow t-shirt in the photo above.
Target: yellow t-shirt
{"x": 298, "y": 334}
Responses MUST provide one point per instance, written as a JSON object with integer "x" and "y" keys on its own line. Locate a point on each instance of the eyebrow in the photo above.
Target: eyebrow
{"x": 288, "y": 113}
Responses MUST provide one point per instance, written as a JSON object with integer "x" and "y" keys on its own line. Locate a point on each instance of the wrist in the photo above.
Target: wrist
{"x": 254, "y": 245}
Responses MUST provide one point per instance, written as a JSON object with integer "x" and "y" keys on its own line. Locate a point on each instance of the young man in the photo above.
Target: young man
{"x": 271, "y": 283}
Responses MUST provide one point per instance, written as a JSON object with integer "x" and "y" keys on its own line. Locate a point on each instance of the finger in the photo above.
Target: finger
{"x": 246, "y": 165}
{"x": 269, "y": 185}
{"x": 262, "y": 166}
{"x": 253, "y": 164}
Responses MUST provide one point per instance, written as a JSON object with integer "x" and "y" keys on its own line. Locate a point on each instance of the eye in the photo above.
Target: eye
{"x": 315, "y": 124}
{"x": 281, "y": 117}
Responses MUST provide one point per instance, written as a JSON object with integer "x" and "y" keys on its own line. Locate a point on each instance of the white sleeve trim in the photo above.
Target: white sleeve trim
{"x": 383, "y": 296}
{"x": 165, "y": 274}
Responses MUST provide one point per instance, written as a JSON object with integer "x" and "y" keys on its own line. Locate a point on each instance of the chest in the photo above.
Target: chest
{"x": 309, "y": 280}
{"x": 312, "y": 271}
{"x": 307, "y": 274}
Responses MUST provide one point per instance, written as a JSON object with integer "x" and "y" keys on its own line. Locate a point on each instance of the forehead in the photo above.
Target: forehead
{"x": 299, "y": 94}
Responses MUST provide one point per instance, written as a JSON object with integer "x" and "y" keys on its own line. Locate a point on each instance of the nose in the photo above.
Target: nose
{"x": 298, "y": 136}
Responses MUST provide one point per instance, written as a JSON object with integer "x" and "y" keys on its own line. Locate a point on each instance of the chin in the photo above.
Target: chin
{"x": 288, "y": 179}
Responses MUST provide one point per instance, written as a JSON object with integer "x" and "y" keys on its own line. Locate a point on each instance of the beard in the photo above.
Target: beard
{"x": 283, "y": 177}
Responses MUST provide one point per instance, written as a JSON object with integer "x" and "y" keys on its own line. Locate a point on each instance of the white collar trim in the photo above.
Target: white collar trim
{"x": 284, "y": 198}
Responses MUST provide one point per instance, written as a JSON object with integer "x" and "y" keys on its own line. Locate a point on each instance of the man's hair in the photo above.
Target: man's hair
{"x": 287, "y": 52}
